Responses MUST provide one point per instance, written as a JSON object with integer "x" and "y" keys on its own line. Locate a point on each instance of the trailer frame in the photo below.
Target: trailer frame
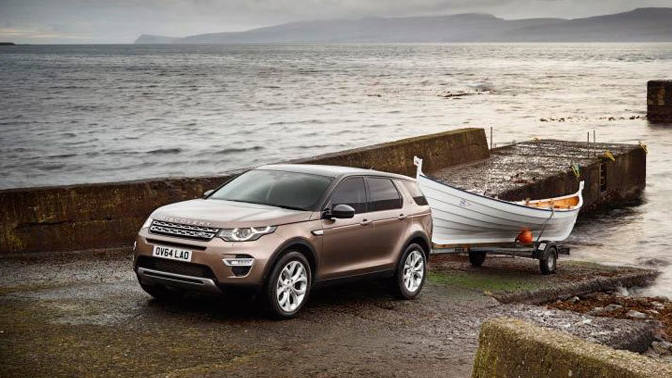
{"x": 545, "y": 251}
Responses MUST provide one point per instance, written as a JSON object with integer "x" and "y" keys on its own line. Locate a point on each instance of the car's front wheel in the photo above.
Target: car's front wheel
{"x": 411, "y": 272}
{"x": 289, "y": 285}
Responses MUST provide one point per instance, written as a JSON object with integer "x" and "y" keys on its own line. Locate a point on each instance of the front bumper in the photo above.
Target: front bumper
{"x": 154, "y": 277}
{"x": 209, "y": 255}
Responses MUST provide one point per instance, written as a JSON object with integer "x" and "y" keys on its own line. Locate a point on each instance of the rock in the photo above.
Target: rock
{"x": 613, "y": 307}
{"x": 635, "y": 315}
{"x": 623, "y": 292}
{"x": 573, "y": 300}
{"x": 653, "y": 262}
{"x": 583, "y": 321}
{"x": 657, "y": 305}
{"x": 596, "y": 311}
{"x": 662, "y": 347}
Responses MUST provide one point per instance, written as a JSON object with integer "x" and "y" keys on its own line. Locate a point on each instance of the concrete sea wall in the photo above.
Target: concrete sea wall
{"x": 608, "y": 181}
{"x": 513, "y": 348}
{"x": 613, "y": 173}
{"x": 106, "y": 215}
{"x": 438, "y": 151}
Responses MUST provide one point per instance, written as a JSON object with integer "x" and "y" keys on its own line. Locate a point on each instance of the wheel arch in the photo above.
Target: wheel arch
{"x": 421, "y": 239}
{"x": 300, "y": 245}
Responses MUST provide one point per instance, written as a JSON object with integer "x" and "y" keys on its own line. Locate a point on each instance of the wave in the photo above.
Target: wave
{"x": 61, "y": 156}
{"x": 165, "y": 151}
{"x": 234, "y": 150}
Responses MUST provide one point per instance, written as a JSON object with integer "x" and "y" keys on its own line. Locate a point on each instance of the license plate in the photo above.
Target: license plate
{"x": 171, "y": 253}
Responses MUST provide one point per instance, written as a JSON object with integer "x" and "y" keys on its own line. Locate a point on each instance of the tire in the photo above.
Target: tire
{"x": 405, "y": 286}
{"x": 296, "y": 290}
{"x": 161, "y": 293}
{"x": 476, "y": 258}
{"x": 548, "y": 262}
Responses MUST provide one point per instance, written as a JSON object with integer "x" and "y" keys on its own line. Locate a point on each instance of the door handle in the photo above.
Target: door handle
{"x": 402, "y": 216}
{"x": 365, "y": 222}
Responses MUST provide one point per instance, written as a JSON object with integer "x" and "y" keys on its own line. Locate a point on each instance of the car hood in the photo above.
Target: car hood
{"x": 228, "y": 214}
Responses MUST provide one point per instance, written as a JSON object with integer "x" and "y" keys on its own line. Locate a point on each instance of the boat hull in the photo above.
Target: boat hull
{"x": 464, "y": 218}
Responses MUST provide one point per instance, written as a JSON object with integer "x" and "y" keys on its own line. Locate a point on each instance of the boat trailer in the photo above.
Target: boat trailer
{"x": 545, "y": 251}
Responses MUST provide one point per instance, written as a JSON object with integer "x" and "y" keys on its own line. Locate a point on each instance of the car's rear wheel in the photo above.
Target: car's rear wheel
{"x": 411, "y": 272}
{"x": 288, "y": 286}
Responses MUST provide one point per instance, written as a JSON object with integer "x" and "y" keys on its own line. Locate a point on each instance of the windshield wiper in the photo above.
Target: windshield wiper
{"x": 263, "y": 203}
{"x": 286, "y": 207}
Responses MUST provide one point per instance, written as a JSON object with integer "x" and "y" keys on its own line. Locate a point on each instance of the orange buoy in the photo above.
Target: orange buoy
{"x": 525, "y": 237}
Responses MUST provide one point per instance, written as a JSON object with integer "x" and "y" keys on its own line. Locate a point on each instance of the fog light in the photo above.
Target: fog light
{"x": 238, "y": 261}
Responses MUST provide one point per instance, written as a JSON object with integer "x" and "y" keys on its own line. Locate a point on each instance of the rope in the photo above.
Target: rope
{"x": 576, "y": 170}
{"x": 543, "y": 227}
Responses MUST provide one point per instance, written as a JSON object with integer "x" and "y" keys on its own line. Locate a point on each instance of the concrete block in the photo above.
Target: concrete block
{"x": 514, "y": 348}
{"x": 659, "y": 101}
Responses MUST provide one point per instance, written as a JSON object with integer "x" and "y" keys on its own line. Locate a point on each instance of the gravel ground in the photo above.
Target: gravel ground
{"x": 86, "y": 315}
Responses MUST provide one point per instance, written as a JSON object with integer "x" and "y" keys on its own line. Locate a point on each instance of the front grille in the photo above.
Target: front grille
{"x": 183, "y": 230}
{"x": 177, "y": 267}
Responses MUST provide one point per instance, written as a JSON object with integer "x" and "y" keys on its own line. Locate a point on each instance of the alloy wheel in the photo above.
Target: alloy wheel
{"x": 414, "y": 271}
{"x": 291, "y": 286}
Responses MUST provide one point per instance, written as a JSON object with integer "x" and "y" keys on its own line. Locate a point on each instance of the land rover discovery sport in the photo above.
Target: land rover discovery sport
{"x": 282, "y": 229}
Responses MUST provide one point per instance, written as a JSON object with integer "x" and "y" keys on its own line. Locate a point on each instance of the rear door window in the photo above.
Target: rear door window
{"x": 383, "y": 195}
{"x": 351, "y": 192}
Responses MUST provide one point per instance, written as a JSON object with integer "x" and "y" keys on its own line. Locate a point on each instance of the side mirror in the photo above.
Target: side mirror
{"x": 342, "y": 211}
{"x": 207, "y": 193}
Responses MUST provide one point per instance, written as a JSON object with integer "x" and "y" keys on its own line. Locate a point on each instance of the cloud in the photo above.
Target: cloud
{"x": 41, "y": 36}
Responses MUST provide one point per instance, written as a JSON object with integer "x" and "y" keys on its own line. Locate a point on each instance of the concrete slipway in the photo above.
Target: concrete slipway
{"x": 84, "y": 314}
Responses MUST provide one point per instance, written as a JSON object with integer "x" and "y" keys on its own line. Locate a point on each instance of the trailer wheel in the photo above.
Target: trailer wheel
{"x": 549, "y": 260}
{"x": 476, "y": 258}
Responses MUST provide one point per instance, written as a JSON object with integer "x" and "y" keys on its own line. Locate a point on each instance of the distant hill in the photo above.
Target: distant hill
{"x": 155, "y": 39}
{"x": 639, "y": 25}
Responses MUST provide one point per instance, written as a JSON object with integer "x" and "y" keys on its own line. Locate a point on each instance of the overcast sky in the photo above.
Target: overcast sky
{"x": 121, "y": 21}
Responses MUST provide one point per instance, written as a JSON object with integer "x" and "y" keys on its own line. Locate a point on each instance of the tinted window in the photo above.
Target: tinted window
{"x": 292, "y": 190}
{"x": 383, "y": 195}
{"x": 351, "y": 192}
{"x": 415, "y": 192}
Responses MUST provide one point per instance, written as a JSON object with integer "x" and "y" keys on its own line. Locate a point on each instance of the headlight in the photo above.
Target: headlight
{"x": 147, "y": 223}
{"x": 245, "y": 233}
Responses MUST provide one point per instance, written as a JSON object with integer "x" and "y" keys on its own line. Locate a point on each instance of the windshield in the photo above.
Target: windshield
{"x": 292, "y": 190}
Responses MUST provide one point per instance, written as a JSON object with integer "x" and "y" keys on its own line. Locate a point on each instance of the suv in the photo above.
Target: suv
{"x": 282, "y": 229}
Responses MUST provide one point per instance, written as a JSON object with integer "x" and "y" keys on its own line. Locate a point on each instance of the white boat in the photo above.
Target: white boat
{"x": 462, "y": 218}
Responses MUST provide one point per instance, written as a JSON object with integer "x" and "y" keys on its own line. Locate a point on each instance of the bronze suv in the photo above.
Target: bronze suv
{"x": 283, "y": 229}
